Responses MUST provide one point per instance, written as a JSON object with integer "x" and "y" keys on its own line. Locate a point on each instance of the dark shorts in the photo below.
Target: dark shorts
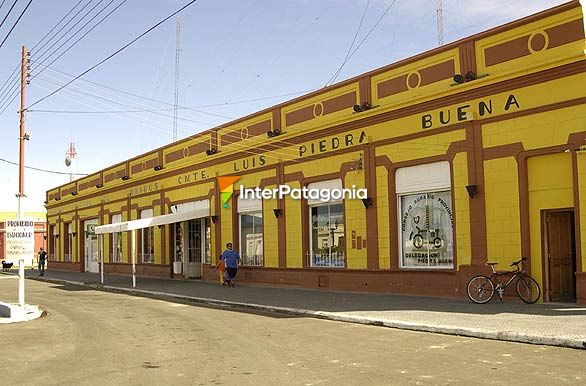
{"x": 232, "y": 272}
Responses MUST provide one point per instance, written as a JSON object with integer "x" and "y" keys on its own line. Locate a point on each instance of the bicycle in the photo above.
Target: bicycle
{"x": 481, "y": 288}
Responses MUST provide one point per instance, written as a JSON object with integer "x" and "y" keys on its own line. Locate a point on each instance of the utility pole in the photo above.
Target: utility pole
{"x": 22, "y": 137}
{"x": 440, "y": 23}
{"x": 177, "y": 50}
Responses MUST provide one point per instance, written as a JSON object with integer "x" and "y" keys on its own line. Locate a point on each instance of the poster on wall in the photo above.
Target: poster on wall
{"x": 427, "y": 230}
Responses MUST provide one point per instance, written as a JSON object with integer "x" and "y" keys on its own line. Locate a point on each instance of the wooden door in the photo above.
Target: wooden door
{"x": 561, "y": 255}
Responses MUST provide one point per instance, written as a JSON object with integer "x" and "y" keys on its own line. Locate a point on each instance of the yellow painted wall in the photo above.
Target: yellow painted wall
{"x": 270, "y": 236}
{"x": 550, "y": 187}
{"x": 355, "y": 218}
{"x": 320, "y": 167}
{"x": 382, "y": 202}
{"x": 295, "y": 253}
{"x": 227, "y": 223}
{"x": 432, "y": 145}
{"x": 461, "y": 209}
{"x": 540, "y": 130}
{"x": 581, "y": 163}
{"x": 503, "y": 232}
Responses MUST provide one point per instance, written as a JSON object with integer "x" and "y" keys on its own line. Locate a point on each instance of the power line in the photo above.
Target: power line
{"x": 10, "y": 82}
{"x": 43, "y": 170}
{"x": 8, "y": 14}
{"x": 53, "y": 52}
{"x": 113, "y": 54}
{"x": 140, "y": 96}
{"x": 373, "y": 28}
{"x": 367, "y": 35}
{"x": 56, "y": 25}
{"x": 14, "y": 73}
{"x": 15, "y": 23}
{"x": 125, "y": 105}
{"x": 50, "y": 49}
{"x": 193, "y": 108}
{"x": 84, "y": 35}
{"x": 66, "y": 24}
{"x": 11, "y": 97}
{"x": 153, "y": 125}
{"x": 335, "y": 75}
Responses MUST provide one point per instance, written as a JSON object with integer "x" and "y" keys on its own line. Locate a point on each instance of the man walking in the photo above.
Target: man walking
{"x": 231, "y": 259}
{"x": 42, "y": 258}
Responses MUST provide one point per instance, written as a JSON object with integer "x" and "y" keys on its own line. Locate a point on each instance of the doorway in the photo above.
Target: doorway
{"x": 560, "y": 255}
{"x": 192, "y": 247}
{"x": 91, "y": 246}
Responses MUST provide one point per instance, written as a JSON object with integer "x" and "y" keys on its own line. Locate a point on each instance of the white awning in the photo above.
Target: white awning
{"x": 327, "y": 185}
{"x": 190, "y": 206}
{"x": 201, "y": 211}
{"x": 425, "y": 177}
{"x": 249, "y": 205}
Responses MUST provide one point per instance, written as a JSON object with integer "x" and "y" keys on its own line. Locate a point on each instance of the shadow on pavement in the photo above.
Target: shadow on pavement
{"x": 72, "y": 288}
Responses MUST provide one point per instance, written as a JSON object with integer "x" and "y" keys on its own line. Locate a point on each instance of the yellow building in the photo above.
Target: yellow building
{"x": 471, "y": 152}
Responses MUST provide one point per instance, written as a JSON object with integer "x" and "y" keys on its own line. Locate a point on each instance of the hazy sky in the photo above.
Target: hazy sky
{"x": 231, "y": 51}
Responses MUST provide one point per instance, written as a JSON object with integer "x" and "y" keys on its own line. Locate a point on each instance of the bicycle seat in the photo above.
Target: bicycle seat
{"x": 491, "y": 263}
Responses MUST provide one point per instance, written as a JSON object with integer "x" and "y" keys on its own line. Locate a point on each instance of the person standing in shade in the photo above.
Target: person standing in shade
{"x": 42, "y": 259}
{"x": 231, "y": 259}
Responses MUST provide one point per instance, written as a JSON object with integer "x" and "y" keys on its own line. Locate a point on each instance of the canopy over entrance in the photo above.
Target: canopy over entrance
{"x": 197, "y": 209}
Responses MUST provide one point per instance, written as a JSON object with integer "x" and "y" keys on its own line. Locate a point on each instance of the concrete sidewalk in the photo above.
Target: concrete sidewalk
{"x": 556, "y": 324}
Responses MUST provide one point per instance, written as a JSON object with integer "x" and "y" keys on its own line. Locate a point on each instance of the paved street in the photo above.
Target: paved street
{"x": 93, "y": 338}
{"x": 558, "y": 324}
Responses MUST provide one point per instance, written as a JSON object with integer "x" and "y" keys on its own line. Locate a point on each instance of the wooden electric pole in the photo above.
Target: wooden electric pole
{"x": 177, "y": 51}
{"x": 21, "y": 138}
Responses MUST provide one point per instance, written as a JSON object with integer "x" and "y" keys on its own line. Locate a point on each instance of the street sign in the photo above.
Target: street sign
{"x": 20, "y": 240}
{"x": 91, "y": 229}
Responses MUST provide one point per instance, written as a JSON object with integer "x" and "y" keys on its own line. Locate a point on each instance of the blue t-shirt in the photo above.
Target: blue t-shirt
{"x": 231, "y": 258}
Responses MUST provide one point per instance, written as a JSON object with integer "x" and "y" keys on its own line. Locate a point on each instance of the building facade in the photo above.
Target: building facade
{"x": 472, "y": 152}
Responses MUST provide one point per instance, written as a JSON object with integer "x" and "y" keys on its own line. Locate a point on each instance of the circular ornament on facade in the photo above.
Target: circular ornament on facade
{"x": 318, "y": 109}
{"x": 244, "y": 133}
{"x": 413, "y": 80}
{"x": 538, "y": 41}
{"x": 186, "y": 152}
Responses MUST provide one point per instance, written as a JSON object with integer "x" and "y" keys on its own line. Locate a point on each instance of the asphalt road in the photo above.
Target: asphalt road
{"x": 96, "y": 338}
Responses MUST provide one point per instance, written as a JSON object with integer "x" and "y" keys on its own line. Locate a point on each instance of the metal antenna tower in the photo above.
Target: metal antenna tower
{"x": 440, "y": 23}
{"x": 177, "y": 50}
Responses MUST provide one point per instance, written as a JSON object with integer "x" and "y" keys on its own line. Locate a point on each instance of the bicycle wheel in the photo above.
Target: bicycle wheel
{"x": 480, "y": 289}
{"x": 528, "y": 289}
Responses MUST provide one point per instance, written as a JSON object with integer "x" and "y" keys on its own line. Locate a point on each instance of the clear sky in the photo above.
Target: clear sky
{"x": 231, "y": 51}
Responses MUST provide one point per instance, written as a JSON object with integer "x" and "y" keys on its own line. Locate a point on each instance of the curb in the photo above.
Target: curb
{"x": 364, "y": 320}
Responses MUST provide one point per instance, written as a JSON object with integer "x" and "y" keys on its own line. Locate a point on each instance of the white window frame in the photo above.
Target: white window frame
{"x": 422, "y": 179}
{"x": 250, "y": 207}
{"x": 330, "y": 242}
{"x": 54, "y": 242}
{"x": 207, "y": 240}
{"x": 147, "y": 258}
{"x": 243, "y": 257}
{"x": 116, "y": 255}
{"x": 69, "y": 256}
